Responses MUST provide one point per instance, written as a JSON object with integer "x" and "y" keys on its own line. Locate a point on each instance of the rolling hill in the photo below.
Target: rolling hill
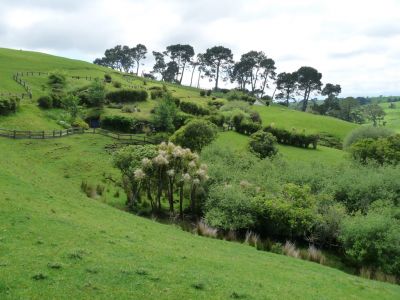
{"x": 56, "y": 243}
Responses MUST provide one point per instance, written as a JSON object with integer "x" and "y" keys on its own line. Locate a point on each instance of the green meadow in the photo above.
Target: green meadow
{"x": 58, "y": 243}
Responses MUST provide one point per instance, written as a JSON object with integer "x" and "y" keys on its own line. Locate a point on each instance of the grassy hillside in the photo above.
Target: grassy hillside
{"x": 12, "y": 61}
{"x": 57, "y": 243}
{"x": 392, "y": 116}
{"x": 239, "y": 143}
{"x": 283, "y": 117}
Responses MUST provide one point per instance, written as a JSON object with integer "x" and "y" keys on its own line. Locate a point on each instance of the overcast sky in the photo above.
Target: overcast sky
{"x": 353, "y": 43}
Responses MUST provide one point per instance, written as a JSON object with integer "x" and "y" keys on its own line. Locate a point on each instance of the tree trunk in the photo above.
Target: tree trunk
{"x": 183, "y": 70}
{"x": 181, "y": 201}
{"x": 198, "y": 80}
{"x": 305, "y": 100}
{"x": 192, "y": 199}
{"x": 171, "y": 195}
{"x": 217, "y": 77}
{"x": 191, "y": 78}
{"x": 137, "y": 68}
{"x": 273, "y": 95}
{"x": 264, "y": 84}
{"x": 159, "y": 190}
{"x": 150, "y": 197}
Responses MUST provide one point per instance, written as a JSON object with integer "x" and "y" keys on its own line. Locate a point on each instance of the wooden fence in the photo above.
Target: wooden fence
{"x": 52, "y": 134}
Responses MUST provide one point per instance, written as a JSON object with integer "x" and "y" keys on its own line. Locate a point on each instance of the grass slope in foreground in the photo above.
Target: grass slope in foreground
{"x": 55, "y": 243}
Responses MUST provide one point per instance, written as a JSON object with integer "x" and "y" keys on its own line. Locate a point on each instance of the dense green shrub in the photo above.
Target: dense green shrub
{"x": 218, "y": 103}
{"x": 9, "y": 105}
{"x": 57, "y": 81}
{"x": 263, "y": 144}
{"x": 195, "y": 135}
{"x": 217, "y": 119}
{"x": 202, "y": 93}
{"x": 156, "y": 92}
{"x": 329, "y": 140}
{"x": 292, "y": 214}
{"x": 45, "y": 102}
{"x": 125, "y": 95}
{"x": 181, "y": 119}
{"x": 230, "y": 208}
{"x": 107, "y": 78}
{"x": 293, "y": 138}
{"x": 117, "y": 84}
{"x": 237, "y": 95}
{"x": 368, "y": 132}
{"x": 96, "y": 94}
{"x": 165, "y": 114}
{"x": 208, "y": 93}
{"x": 247, "y": 127}
{"x": 373, "y": 240}
{"x": 194, "y": 109}
{"x": 382, "y": 150}
{"x": 118, "y": 123}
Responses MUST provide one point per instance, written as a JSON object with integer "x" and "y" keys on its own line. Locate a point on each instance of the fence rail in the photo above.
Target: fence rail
{"x": 52, "y": 134}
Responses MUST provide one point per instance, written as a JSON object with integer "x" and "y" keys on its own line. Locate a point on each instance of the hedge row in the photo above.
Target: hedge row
{"x": 123, "y": 124}
{"x": 194, "y": 109}
{"x": 8, "y": 105}
{"x": 293, "y": 138}
{"x": 124, "y": 95}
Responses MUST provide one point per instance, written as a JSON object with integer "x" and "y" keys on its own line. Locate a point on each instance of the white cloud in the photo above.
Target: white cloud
{"x": 353, "y": 43}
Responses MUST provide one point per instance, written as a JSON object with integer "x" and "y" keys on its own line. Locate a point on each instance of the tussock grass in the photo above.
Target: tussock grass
{"x": 315, "y": 255}
{"x": 289, "y": 249}
{"x": 252, "y": 239}
{"x": 204, "y": 230}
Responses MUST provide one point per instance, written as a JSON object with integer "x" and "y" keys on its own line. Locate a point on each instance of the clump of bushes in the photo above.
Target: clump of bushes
{"x": 371, "y": 240}
{"x": 368, "y": 132}
{"x": 263, "y": 144}
{"x": 57, "y": 82}
{"x": 293, "y": 138}
{"x": 118, "y": 123}
{"x": 165, "y": 115}
{"x": 9, "y": 105}
{"x": 195, "y": 135}
{"x": 217, "y": 103}
{"x": 45, "y": 102}
{"x": 157, "y": 92}
{"x": 125, "y": 124}
{"x": 246, "y": 126}
{"x": 107, "y": 78}
{"x": 202, "y": 93}
{"x": 217, "y": 119}
{"x": 117, "y": 84}
{"x": 194, "y": 109}
{"x": 126, "y": 95}
{"x": 237, "y": 95}
{"x": 382, "y": 150}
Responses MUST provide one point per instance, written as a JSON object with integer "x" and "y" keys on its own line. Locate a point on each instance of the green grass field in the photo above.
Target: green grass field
{"x": 55, "y": 243}
{"x": 239, "y": 142}
{"x": 283, "y": 117}
{"x": 392, "y": 117}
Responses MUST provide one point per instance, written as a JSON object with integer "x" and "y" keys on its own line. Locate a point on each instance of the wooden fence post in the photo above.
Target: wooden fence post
{"x": 15, "y": 134}
{"x": 43, "y": 134}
